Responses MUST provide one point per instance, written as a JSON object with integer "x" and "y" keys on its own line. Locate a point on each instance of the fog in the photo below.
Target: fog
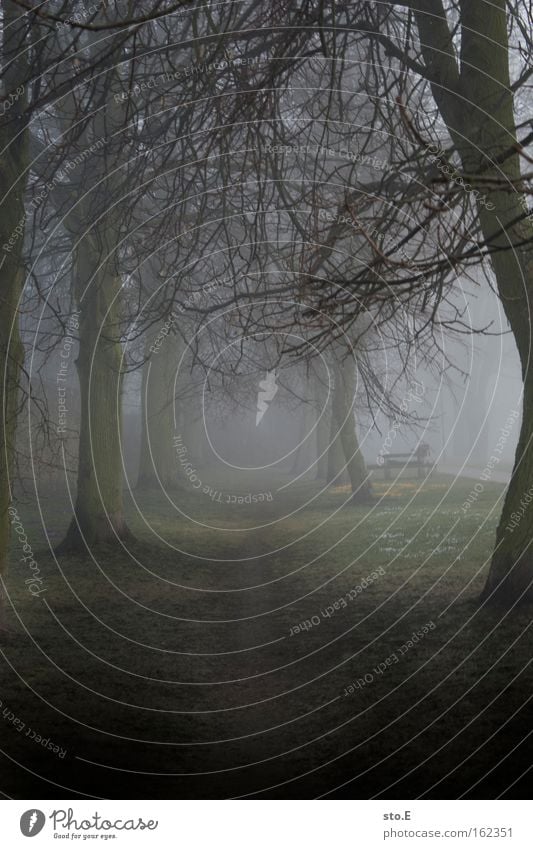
{"x": 266, "y": 479}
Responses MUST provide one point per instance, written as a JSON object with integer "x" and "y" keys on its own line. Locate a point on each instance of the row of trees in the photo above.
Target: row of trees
{"x": 331, "y": 173}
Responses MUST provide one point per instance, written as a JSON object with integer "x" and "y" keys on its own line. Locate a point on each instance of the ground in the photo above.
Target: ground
{"x": 164, "y": 674}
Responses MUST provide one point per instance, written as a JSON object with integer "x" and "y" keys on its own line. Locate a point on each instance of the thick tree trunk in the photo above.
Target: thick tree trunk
{"x": 94, "y": 223}
{"x": 98, "y": 516}
{"x": 477, "y": 436}
{"x": 343, "y": 413}
{"x": 300, "y": 462}
{"x": 157, "y": 461}
{"x": 476, "y": 102}
{"x": 510, "y": 578}
{"x": 322, "y": 431}
{"x": 13, "y": 180}
{"x": 11, "y": 359}
{"x": 193, "y": 427}
{"x": 336, "y": 468}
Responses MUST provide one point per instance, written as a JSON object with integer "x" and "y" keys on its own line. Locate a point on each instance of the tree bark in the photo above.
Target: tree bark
{"x": 13, "y": 180}
{"x": 336, "y": 469}
{"x": 300, "y": 461}
{"x": 477, "y": 106}
{"x": 322, "y": 430}
{"x": 157, "y": 460}
{"x": 99, "y": 514}
{"x": 343, "y": 414}
{"x": 194, "y": 435}
{"x": 11, "y": 360}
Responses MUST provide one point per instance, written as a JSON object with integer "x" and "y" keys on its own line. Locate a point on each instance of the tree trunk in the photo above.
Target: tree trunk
{"x": 300, "y": 461}
{"x": 157, "y": 461}
{"x": 11, "y": 360}
{"x": 343, "y": 414}
{"x": 476, "y": 103}
{"x": 13, "y": 180}
{"x": 98, "y": 516}
{"x": 94, "y": 223}
{"x": 485, "y": 365}
{"x": 511, "y": 572}
{"x": 322, "y": 431}
{"x": 193, "y": 425}
{"x": 336, "y": 469}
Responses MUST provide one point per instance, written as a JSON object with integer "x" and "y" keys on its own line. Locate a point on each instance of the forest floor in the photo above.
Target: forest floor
{"x": 179, "y": 667}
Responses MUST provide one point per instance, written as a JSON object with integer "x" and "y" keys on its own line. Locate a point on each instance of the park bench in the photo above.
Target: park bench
{"x": 418, "y": 459}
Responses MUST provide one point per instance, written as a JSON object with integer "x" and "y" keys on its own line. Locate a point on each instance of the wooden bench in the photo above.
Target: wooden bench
{"x": 419, "y": 459}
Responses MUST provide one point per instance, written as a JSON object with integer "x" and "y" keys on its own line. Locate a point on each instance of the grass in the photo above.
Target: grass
{"x": 170, "y": 671}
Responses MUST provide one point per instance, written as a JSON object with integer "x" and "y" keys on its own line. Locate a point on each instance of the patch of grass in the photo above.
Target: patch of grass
{"x": 178, "y": 663}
